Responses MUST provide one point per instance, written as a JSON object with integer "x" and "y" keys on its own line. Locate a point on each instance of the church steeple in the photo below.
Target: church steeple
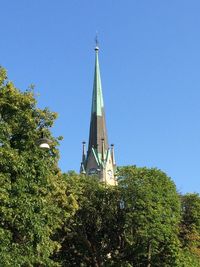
{"x": 97, "y": 121}
{"x": 99, "y": 160}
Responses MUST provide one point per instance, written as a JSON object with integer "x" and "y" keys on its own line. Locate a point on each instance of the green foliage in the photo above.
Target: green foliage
{"x": 190, "y": 226}
{"x": 191, "y": 211}
{"x": 134, "y": 224}
{"x": 189, "y": 259}
{"x": 53, "y": 219}
{"x": 152, "y": 210}
{"x": 33, "y": 201}
{"x": 91, "y": 236}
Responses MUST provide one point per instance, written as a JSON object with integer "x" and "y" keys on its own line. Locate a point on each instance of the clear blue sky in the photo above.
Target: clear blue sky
{"x": 150, "y": 69}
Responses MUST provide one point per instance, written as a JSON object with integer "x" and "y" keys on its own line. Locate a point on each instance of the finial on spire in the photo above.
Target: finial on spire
{"x": 96, "y": 42}
{"x": 113, "y": 154}
{"x": 82, "y": 168}
{"x": 83, "y": 152}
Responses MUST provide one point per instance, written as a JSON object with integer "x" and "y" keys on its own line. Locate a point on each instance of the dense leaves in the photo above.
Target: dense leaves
{"x": 92, "y": 236}
{"x": 33, "y": 202}
{"x": 52, "y": 219}
{"x": 134, "y": 224}
{"x": 190, "y": 228}
{"x": 152, "y": 210}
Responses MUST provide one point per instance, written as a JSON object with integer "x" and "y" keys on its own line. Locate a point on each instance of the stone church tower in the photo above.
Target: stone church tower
{"x": 99, "y": 159}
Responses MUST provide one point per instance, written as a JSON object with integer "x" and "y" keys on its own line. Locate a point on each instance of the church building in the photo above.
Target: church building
{"x": 99, "y": 159}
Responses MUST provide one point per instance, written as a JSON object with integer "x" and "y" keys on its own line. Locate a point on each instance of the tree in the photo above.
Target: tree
{"x": 190, "y": 227}
{"x": 152, "y": 210}
{"x": 92, "y": 236}
{"x": 33, "y": 201}
{"x": 133, "y": 224}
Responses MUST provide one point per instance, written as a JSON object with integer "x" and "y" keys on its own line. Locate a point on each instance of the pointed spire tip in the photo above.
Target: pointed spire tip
{"x": 96, "y": 43}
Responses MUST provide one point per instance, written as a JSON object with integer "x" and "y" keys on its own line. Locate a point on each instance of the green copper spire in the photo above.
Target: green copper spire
{"x": 97, "y": 98}
{"x": 100, "y": 160}
{"x": 97, "y": 123}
